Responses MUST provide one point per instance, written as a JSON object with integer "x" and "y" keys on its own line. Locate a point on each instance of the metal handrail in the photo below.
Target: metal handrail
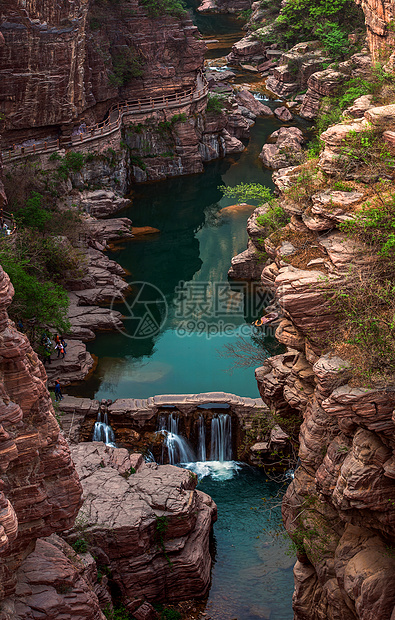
{"x": 107, "y": 127}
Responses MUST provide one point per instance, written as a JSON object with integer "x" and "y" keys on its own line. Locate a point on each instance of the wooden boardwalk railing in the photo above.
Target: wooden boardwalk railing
{"x": 112, "y": 123}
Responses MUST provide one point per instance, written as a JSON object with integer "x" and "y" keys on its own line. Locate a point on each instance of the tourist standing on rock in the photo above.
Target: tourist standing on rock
{"x": 58, "y": 391}
{"x": 47, "y": 348}
{"x": 64, "y": 345}
{"x": 60, "y": 349}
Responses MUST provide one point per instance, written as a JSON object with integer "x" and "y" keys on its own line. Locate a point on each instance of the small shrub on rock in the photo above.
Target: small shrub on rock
{"x": 156, "y": 8}
{"x": 245, "y": 192}
{"x": 215, "y": 104}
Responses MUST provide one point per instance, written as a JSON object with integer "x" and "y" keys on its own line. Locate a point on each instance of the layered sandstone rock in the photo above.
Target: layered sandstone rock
{"x": 285, "y": 150}
{"x": 40, "y": 488}
{"x": 328, "y": 82}
{"x": 54, "y": 583}
{"x": 339, "y": 508}
{"x": 152, "y": 526}
{"x": 379, "y": 16}
{"x": 248, "y": 265}
{"x": 295, "y": 67}
{"x": 57, "y": 61}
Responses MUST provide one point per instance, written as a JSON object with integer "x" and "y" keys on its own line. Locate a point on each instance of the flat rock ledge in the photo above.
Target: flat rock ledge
{"x": 151, "y": 527}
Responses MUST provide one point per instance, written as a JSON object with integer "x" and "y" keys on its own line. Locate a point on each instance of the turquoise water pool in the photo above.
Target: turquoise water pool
{"x": 196, "y": 243}
{"x": 252, "y": 571}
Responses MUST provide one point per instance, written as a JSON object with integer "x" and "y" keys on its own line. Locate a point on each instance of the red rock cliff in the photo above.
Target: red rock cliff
{"x": 379, "y": 16}
{"x": 40, "y": 490}
{"x": 58, "y": 59}
{"x": 340, "y": 508}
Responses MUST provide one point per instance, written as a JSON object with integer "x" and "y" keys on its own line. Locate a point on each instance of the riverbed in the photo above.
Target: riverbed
{"x": 195, "y": 313}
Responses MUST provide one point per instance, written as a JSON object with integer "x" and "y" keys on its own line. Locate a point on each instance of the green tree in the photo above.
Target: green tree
{"x": 244, "y": 192}
{"x": 330, "y": 21}
{"x": 45, "y": 301}
{"x": 33, "y": 214}
{"x": 156, "y": 8}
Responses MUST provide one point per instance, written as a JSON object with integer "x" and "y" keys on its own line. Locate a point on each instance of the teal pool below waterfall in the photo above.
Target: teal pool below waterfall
{"x": 252, "y": 569}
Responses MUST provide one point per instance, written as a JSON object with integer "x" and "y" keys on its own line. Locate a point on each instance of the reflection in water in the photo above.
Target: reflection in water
{"x": 195, "y": 246}
{"x": 226, "y": 29}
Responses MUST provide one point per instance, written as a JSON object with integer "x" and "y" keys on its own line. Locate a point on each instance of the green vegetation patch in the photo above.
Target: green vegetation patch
{"x": 42, "y": 256}
{"x": 329, "y": 21}
{"x": 245, "y": 192}
{"x": 274, "y": 218}
{"x": 215, "y": 103}
{"x": 157, "y": 8}
{"x": 126, "y": 65}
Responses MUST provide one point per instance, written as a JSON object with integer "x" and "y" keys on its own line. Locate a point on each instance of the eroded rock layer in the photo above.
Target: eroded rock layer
{"x": 40, "y": 490}
{"x": 146, "y": 522}
{"x": 339, "y": 510}
{"x": 64, "y": 62}
{"x": 379, "y": 16}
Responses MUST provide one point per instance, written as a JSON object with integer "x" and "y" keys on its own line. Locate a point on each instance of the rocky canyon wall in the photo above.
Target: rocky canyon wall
{"x": 224, "y": 6}
{"x": 340, "y": 508}
{"x": 380, "y": 25}
{"x": 64, "y": 62}
{"x": 40, "y": 490}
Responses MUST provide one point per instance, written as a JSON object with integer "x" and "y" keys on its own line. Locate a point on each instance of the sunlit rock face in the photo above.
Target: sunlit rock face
{"x": 62, "y": 61}
{"x": 379, "y": 15}
{"x": 40, "y": 490}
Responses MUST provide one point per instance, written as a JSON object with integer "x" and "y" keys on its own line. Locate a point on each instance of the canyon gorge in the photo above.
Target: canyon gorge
{"x": 123, "y": 130}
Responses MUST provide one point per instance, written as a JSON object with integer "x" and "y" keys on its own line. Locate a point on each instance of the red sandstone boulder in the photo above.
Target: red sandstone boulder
{"x": 52, "y": 584}
{"x": 121, "y": 514}
{"x": 247, "y": 99}
{"x": 286, "y": 149}
{"x": 283, "y": 114}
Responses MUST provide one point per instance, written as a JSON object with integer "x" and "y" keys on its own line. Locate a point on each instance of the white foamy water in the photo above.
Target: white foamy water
{"x": 217, "y": 470}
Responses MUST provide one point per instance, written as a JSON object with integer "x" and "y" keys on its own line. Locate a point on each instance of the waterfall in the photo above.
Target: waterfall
{"x": 102, "y": 430}
{"x": 221, "y": 438}
{"x": 178, "y": 448}
{"x": 201, "y": 451}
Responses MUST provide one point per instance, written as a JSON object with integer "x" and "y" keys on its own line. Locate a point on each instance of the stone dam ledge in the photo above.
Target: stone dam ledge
{"x": 144, "y": 409}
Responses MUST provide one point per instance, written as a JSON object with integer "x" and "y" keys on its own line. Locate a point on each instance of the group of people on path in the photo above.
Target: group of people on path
{"x": 49, "y": 346}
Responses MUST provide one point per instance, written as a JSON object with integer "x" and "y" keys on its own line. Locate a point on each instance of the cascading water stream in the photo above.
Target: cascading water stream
{"x": 201, "y": 452}
{"x": 102, "y": 430}
{"x": 179, "y": 449}
{"x": 221, "y": 438}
